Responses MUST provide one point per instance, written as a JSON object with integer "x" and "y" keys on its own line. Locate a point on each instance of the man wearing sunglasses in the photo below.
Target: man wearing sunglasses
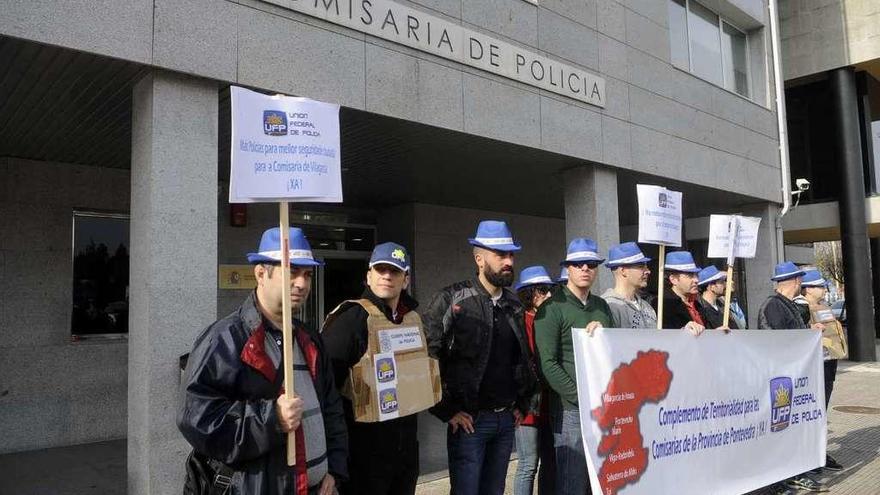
{"x": 571, "y": 307}
{"x": 630, "y": 268}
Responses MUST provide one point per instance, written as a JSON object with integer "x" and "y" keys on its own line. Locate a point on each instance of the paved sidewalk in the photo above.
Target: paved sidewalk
{"x": 100, "y": 468}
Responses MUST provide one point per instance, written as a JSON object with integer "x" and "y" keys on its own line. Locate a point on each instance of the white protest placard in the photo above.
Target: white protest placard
{"x": 745, "y": 235}
{"x": 667, "y": 412}
{"x": 283, "y": 149}
{"x": 659, "y": 215}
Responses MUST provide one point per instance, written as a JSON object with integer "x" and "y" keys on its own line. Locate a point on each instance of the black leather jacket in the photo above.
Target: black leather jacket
{"x": 227, "y": 407}
{"x": 458, "y": 324}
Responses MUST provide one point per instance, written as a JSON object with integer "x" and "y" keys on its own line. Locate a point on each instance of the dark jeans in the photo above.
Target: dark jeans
{"x": 534, "y": 445}
{"x": 571, "y": 458}
{"x": 478, "y": 461}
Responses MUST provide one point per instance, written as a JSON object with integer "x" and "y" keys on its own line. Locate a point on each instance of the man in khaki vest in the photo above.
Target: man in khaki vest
{"x": 361, "y": 336}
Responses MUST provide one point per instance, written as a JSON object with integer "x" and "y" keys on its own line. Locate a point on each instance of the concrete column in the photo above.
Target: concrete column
{"x": 853, "y": 226}
{"x": 591, "y": 211}
{"x": 173, "y": 264}
{"x": 875, "y": 271}
{"x": 760, "y": 268}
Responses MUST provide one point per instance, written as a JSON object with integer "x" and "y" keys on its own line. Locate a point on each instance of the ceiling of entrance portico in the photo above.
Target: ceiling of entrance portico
{"x": 65, "y": 106}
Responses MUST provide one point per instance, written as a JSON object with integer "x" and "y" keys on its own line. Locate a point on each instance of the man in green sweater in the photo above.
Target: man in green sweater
{"x": 571, "y": 306}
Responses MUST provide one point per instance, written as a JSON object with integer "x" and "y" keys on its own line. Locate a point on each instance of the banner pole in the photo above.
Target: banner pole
{"x": 660, "y": 283}
{"x": 287, "y": 319}
{"x": 727, "y": 291}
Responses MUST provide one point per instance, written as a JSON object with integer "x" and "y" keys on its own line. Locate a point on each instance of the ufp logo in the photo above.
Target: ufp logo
{"x": 388, "y": 400}
{"x": 274, "y": 123}
{"x": 385, "y": 370}
{"x": 780, "y": 403}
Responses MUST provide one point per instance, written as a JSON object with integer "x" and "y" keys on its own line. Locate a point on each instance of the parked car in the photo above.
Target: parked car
{"x": 839, "y": 310}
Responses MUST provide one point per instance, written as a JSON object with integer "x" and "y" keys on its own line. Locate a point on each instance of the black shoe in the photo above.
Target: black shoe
{"x": 831, "y": 463}
{"x": 781, "y": 489}
{"x": 804, "y": 482}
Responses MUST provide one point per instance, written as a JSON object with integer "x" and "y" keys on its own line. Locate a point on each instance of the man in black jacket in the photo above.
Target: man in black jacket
{"x": 384, "y": 456}
{"x": 476, "y": 329}
{"x": 712, "y": 284}
{"x": 680, "y": 309}
{"x": 780, "y": 312}
{"x": 232, "y": 407}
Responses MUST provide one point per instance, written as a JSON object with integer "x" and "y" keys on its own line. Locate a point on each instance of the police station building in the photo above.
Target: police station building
{"x": 118, "y": 243}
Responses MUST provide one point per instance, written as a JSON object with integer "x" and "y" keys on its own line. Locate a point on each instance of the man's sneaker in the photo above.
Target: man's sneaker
{"x": 831, "y": 463}
{"x": 804, "y": 482}
{"x": 781, "y": 489}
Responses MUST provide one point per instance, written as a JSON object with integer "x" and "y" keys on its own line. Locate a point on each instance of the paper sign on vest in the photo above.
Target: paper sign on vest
{"x": 400, "y": 339}
{"x": 395, "y": 377}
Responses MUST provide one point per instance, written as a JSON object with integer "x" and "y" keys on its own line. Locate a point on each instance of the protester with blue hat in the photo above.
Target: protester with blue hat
{"x": 534, "y": 435}
{"x": 781, "y": 312}
{"x": 712, "y": 283}
{"x": 571, "y": 307}
{"x": 232, "y": 408}
{"x": 476, "y": 329}
{"x": 814, "y": 288}
{"x": 383, "y": 306}
{"x": 630, "y": 268}
{"x": 680, "y": 306}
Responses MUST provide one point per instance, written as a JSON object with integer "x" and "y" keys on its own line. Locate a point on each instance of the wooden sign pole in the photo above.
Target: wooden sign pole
{"x": 727, "y": 291}
{"x": 660, "y": 283}
{"x": 287, "y": 319}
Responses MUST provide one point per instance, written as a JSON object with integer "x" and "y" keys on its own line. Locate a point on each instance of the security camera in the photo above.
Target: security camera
{"x": 802, "y": 184}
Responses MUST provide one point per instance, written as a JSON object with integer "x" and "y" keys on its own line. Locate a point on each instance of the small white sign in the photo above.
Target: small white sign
{"x": 283, "y": 149}
{"x": 385, "y": 369}
{"x": 400, "y": 339}
{"x": 743, "y": 229}
{"x": 659, "y": 215}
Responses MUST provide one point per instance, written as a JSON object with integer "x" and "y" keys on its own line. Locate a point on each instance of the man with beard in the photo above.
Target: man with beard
{"x": 571, "y": 307}
{"x": 680, "y": 309}
{"x": 475, "y": 328}
{"x": 711, "y": 282}
{"x": 630, "y": 268}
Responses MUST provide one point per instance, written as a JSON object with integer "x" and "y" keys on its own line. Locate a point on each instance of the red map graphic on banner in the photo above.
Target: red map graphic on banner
{"x": 645, "y": 379}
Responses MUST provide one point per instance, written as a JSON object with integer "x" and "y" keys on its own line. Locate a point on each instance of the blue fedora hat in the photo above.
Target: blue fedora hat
{"x": 390, "y": 253}
{"x": 812, "y": 278}
{"x": 270, "y": 249}
{"x": 563, "y": 275}
{"x": 709, "y": 275}
{"x": 494, "y": 235}
{"x": 786, "y": 270}
{"x": 533, "y": 275}
{"x": 680, "y": 261}
{"x": 582, "y": 250}
{"x": 627, "y": 253}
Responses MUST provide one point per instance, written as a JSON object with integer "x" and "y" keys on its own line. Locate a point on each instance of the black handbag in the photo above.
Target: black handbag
{"x": 205, "y": 476}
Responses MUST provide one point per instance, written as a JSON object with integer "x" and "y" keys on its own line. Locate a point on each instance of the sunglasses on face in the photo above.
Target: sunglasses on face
{"x": 592, "y": 265}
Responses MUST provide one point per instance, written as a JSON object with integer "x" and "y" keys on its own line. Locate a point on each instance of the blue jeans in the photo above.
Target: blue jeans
{"x": 534, "y": 444}
{"x": 478, "y": 461}
{"x": 571, "y": 460}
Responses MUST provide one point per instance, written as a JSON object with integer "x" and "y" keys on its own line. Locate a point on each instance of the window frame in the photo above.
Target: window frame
{"x": 93, "y": 213}
{"x": 721, "y": 22}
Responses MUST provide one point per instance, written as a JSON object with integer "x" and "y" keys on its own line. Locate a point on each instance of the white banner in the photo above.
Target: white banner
{"x": 283, "y": 149}
{"x": 659, "y": 215}
{"x": 746, "y": 236}
{"x": 666, "y": 412}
